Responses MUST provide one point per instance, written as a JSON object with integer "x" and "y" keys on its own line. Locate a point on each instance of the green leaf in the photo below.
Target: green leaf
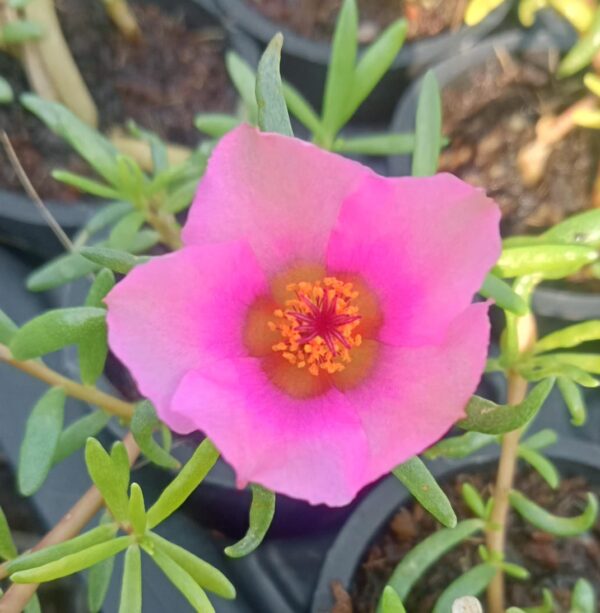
{"x": 117, "y": 261}
{"x": 574, "y": 400}
{"x": 548, "y": 261}
{"x": 120, "y": 460}
{"x": 98, "y": 582}
{"x": 559, "y": 526}
{"x": 63, "y": 269}
{"x": 216, "y": 124}
{"x": 42, "y": 557}
{"x": 158, "y": 148}
{"x": 417, "y": 479}
{"x": 421, "y": 557}
{"x": 272, "y": 110}
{"x": 20, "y": 31}
{"x": 542, "y": 465}
{"x": 187, "y": 480}
{"x": 428, "y": 128}
{"x": 7, "y": 328}
{"x": 571, "y": 336}
{"x": 42, "y": 433}
{"x": 73, "y": 563}
{"x": 125, "y": 230}
{"x": 376, "y": 144}
{"x": 547, "y": 366}
{"x": 8, "y": 551}
{"x": 515, "y": 571}
{"x": 339, "y": 83}
{"x": 540, "y": 440}
{"x": 589, "y": 362}
{"x": 137, "y": 509}
{"x": 503, "y": 295}
{"x": 106, "y": 216}
{"x": 96, "y": 150}
{"x": 490, "y": 418}
{"x": 583, "y": 599}
{"x": 85, "y": 185}
{"x": 302, "y": 110}
{"x": 143, "y": 424}
{"x": 33, "y": 606}
{"x": 474, "y": 500}
{"x": 582, "y": 53}
{"x": 244, "y": 80}
{"x": 203, "y": 573}
{"x": 6, "y": 92}
{"x": 262, "y": 510}
{"x": 103, "y": 283}
{"x": 582, "y": 229}
{"x": 131, "y": 589}
{"x": 457, "y": 447}
{"x": 374, "y": 63}
{"x": 390, "y": 601}
{"x": 76, "y": 434}
{"x": 471, "y": 583}
{"x": 182, "y": 580}
{"x": 56, "y": 329}
{"x": 103, "y": 471}
{"x": 93, "y": 351}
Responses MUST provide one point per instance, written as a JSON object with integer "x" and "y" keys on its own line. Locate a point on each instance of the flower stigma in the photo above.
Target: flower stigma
{"x": 317, "y": 325}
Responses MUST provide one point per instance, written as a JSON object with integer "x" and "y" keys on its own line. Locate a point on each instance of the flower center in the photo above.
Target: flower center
{"x": 317, "y": 326}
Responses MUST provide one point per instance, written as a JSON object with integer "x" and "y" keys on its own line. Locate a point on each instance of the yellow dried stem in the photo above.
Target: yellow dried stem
{"x": 58, "y": 62}
{"x": 122, "y": 16}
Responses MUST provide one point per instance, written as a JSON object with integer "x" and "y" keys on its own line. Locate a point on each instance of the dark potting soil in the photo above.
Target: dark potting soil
{"x": 63, "y": 596}
{"x": 316, "y": 19}
{"x": 161, "y": 83}
{"x": 554, "y": 563}
{"x": 490, "y": 115}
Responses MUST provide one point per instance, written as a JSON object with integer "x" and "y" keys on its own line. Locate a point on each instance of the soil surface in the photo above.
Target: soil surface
{"x": 316, "y": 19}
{"x": 161, "y": 83}
{"x": 554, "y": 563}
{"x": 491, "y": 115}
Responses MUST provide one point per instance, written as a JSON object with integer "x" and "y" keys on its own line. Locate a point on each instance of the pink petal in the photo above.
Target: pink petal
{"x": 180, "y": 311}
{"x": 423, "y": 245}
{"x": 312, "y": 449}
{"x": 415, "y": 395}
{"x": 281, "y": 194}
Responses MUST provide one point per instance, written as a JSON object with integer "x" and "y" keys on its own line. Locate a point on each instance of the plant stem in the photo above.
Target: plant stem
{"x": 496, "y": 527}
{"x": 168, "y": 228}
{"x": 122, "y": 16}
{"x": 91, "y": 395}
{"x": 71, "y": 524}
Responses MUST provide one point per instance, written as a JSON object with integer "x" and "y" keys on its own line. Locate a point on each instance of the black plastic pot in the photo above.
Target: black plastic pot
{"x": 551, "y": 304}
{"x": 371, "y": 517}
{"x": 304, "y": 62}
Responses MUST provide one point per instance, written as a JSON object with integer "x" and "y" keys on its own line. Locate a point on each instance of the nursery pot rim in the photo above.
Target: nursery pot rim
{"x": 374, "y": 512}
{"x": 413, "y": 53}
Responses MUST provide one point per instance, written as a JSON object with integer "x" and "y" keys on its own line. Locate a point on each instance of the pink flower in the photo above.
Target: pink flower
{"x": 318, "y": 323}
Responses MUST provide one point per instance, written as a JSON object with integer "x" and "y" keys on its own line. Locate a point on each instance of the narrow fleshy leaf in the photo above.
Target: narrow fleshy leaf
{"x": 262, "y": 509}
{"x": 105, "y": 475}
{"x": 390, "y": 601}
{"x": 85, "y": 185}
{"x": 573, "y": 398}
{"x": 137, "y": 509}
{"x": 124, "y": 231}
{"x": 302, "y": 110}
{"x": 103, "y": 283}
{"x": 542, "y": 439}
{"x": 20, "y": 31}
{"x": 571, "y": 336}
{"x": 582, "y": 53}
{"x": 98, "y": 582}
{"x": 183, "y": 581}
{"x": 204, "y": 574}
{"x": 63, "y": 269}
{"x": 376, "y": 144}
{"x": 113, "y": 259}
{"x": 42, "y": 557}
{"x": 417, "y": 479}
{"x": 548, "y": 261}
{"x": 471, "y": 583}
{"x": 515, "y": 571}
{"x": 186, "y": 481}
{"x": 542, "y": 465}
{"x": 93, "y": 351}
{"x": 143, "y": 424}
{"x": 559, "y": 526}
{"x": 473, "y": 500}
{"x": 581, "y": 229}
{"x": 42, "y": 433}
{"x": 272, "y": 110}
{"x": 131, "y": 589}
{"x": 428, "y": 128}
{"x": 56, "y": 329}
{"x": 503, "y": 295}
{"x": 76, "y": 434}
{"x": 421, "y": 557}
{"x": 583, "y": 599}
{"x": 72, "y": 563}
{"x": 457, "y": 447}
{"x": 6, "y": 92}
{"x": 489, "y": 418}
{"x": 8, "y": 551}
{"x": 244, "y": 80}
{"x": 7, "y": 328}
{"x": 216, "y": 124}
{"x": 340, "y": 74}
